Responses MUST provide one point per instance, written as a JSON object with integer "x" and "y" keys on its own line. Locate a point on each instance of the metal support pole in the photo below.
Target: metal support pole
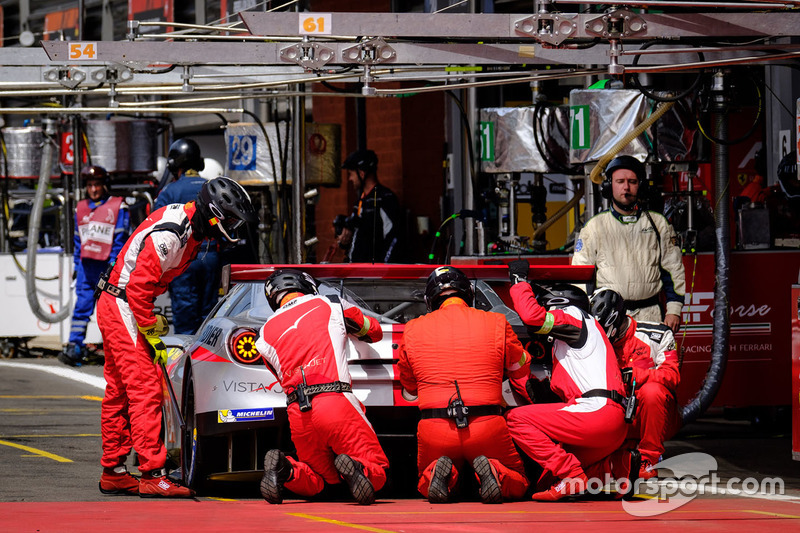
{"x": 590, "y": 199}
{"x": 72, "y": 199}
{"x": 468, "y": 168}
{"x": 81, "y": 16}
{"x": 298, "y": 183}
{"x": 361, "y": 124}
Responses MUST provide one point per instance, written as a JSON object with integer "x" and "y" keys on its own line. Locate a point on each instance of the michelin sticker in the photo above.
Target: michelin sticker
{"x": 244, "y": 415}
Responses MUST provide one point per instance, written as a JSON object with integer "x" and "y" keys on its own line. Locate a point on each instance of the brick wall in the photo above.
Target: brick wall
{"x": 407, "y": 134}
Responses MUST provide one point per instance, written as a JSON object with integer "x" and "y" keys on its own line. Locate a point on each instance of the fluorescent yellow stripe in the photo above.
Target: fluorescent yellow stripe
{"x": 549, "y": 322}
{"x": 364, "y": 329}
{"x": 222, "y": 499}
{"x": 43, "y": 453}
{"x": 339, "y": 523}
{"x": 463, "y": 69}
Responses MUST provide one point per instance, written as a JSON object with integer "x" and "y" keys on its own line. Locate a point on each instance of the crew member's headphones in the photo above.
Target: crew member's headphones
{"x": 627, "y": 162}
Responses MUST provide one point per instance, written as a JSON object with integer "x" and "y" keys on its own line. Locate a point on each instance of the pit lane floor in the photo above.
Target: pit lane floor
{"x": 50, "y": 445}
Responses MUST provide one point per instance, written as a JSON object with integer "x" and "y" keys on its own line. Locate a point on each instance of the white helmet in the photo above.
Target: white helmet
{"x": 213, "y": 169}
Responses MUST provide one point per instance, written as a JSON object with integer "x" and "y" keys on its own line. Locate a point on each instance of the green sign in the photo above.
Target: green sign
{"x": 487, "y": 141}
{"x": 579, "y": 116}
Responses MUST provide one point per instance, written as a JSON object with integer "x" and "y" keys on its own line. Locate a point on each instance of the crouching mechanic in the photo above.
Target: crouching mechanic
{"x": 460, "y": 403}
{"x": 564, "y": 438}
{"x": 161, "y": 248}
{"x": 305, "y": 345}
{"x": 646, "y": 349}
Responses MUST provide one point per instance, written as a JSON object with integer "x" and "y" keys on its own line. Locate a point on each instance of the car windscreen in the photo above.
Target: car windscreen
{"x": 391, "y": 301}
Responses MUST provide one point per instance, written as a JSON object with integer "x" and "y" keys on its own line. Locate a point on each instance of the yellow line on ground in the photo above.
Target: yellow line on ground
{"x": 512, "y": 511}
{"x": 339, "y": 523}
{"x": 50, "y": 397}
{"x": 48, "y": 436}
{"x": 46, "y": 397}
{"x": 768, "y": 513}
{"x": 92, "y": 398}
{"x": 222, "y": 499}
{"x": 43, "y": 453}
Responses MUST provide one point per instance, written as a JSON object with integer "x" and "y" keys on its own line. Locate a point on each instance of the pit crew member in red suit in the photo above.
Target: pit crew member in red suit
{"x": 589, "y": 425}
{"x": 305, "y": 344}
{"x": 648, "y": 350}
{"x": 486, "y": 348}
{"x": 102, "y": 225}
{"x": 159, "y": 249}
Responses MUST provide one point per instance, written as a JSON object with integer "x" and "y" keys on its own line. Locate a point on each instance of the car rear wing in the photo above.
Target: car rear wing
{"x": 232, "y": 274}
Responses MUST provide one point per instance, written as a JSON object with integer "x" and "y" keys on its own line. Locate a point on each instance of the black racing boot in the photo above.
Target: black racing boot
{"x": 438, "y": 490}
{"x": 71, "y": 355}
{"x": 490, "y": 484}
{"x": 353, "y": 473}
{"x": 277, "y": 471}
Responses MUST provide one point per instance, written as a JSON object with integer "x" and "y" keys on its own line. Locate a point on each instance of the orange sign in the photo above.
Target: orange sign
{"x": 61, "y": 25}
{"x": 151, "y": 11}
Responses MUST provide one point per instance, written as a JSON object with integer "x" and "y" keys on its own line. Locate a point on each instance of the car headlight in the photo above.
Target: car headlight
{"x": 243, "y": 347}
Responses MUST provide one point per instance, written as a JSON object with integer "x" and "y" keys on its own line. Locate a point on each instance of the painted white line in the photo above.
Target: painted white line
{"x": 721, "y": 491}
{"x": 68, "y": 373}
{"x": 759, "y": 495}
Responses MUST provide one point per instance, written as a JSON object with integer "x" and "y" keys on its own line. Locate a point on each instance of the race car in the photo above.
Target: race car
{"x": 224, "y": 408}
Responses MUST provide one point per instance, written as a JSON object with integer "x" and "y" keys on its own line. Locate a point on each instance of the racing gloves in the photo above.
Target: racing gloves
{"x": 153, "y": 335}
{"x": 518, "y": 271}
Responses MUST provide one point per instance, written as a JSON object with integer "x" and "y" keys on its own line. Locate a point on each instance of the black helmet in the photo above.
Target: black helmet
{"x": 628, "y": 162}
{"x": 608, "y": 307}
{"x": 560, "y": 295}
{"x": 365, "y": 160}
{"x": 94, "y": 172}
{"x": 285, "y": 281}
{"x": 223, "y": 205}
{"x": 787, "y": 175}
{"x": 184, "y": 154}
{"x": 449, "y": 280}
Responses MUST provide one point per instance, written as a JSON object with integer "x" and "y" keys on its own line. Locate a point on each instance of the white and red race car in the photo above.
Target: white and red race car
{"x": 232, "y": 406}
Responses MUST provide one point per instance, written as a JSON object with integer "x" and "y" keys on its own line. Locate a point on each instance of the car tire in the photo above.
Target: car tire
{"x": 191, "y": 443}
{"x": 201, "y": 455}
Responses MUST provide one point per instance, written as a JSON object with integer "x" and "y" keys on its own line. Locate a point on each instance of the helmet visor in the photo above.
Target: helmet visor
{"x": 228, "y": 226}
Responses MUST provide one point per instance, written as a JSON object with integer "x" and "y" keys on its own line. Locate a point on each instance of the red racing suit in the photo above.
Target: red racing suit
{"x": 565, "y": 437}
{"x": 475, "y": 349}
{"x": 308, "y": 337}
{"x": 161, "y": 248}
{"x": 649, "y": 349}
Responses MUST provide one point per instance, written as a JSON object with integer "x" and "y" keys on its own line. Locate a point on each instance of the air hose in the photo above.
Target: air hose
{"x": 33, "y": 232}
{"x": 600, "y": 167}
